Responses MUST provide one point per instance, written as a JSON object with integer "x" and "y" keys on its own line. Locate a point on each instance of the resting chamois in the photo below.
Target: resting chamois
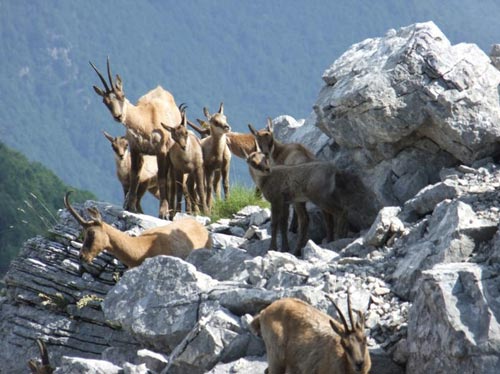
{"x": 216, "y": 154}
{"x": 145, "y": 119}
{"x": 300, "y": 339}
{"x": 176, "y": 239}
{"x": 186, "y": 157}
{"x": 147, "y": 176}
{"x": 285, "y": 184}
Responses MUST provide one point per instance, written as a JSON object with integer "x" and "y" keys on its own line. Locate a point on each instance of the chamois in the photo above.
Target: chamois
{"x": 285, "y": 184}
{"x": 42, "y": 367}
{"x": 216, "y": 154}
{"x": 282, "y": 154}
{"x": 176, "y": 239}
{"x": 186, "y": 157}
{"x": 300, "y": 339}
{"x": 147, "y": 176}
{"x": 144, "y": 118}
{"x": 237, "y": 142}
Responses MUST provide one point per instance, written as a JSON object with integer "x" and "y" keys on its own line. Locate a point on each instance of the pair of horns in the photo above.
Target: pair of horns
{"x": 102, "y": 78}
{"x": 341, "y": 315}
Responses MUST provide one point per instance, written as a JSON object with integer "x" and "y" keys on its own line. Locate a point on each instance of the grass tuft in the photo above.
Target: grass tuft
{"x": 240, "y": 197}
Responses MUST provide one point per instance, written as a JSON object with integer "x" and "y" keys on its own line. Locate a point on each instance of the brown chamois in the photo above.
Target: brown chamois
{"x": 144, "y": 118}
{"x": 285, "y": 184}
{"x": 216, "y": 154}
{"x": 42, "y": 367}
{"x": 176, "y": 239}
{"x": 147, "y": 176}
{"x": 300, "y": 339}
{"x": 186, "y": 157}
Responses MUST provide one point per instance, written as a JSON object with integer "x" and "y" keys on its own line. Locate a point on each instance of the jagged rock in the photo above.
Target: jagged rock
{"x": 454, "y": 321}
{"x": 314, "y": 253}
{"x": 453, "y": 230}
{"x": 158, "y": 301}
{"x": 402, "y": 106}
{"x": 495, "y": 55}
{"x": 246, "y": 365}
{"x": 71, "y": 365}
{"x": 223, "y": 241}
{"x": 385, "y": 224}
{"x": 155, "y": 362}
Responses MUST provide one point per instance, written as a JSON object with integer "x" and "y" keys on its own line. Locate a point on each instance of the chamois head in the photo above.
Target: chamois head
{"x": 95, "y": 239}
{"x": 179, "y": 133}
{"x": 258, "y": 161}
{"x": 352, "y": 339}
{"x": 119, "y": 145}
{"x": 218, "y": 122}
{"x": 43, "y": 367}
{"x": 265, "y": 137}
{"x": 114, "y": 97}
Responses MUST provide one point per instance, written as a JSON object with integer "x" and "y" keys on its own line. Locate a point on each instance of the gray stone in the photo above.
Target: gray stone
{"x": 385, "y": 224}
{"x": 245, "y": 365}
{"x": 454, "y": 321}
{"x": 223, "y": 241}
{"x": 71, "y": 365}
{"x": 314, "y": 253}
{"x": 153, "y": 361}
{"x": 427, "y": 198}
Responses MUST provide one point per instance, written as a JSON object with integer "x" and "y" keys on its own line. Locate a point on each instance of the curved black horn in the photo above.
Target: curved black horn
{"x": 339, "y": 312}
{"x": 73, "y": 212}
{"x": 100, "y": 76}
{"x": 44, "y": 354}
{"x": 110, "y": 77}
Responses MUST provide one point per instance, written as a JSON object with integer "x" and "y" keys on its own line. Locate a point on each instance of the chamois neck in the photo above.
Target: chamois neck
{"x": 276, "y": 149}
{"x": 124, "y": 247}
{"x": 134, "y": 117}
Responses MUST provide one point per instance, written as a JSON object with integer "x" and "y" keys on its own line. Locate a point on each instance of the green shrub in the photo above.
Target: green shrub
{"x": 240, "y": 197}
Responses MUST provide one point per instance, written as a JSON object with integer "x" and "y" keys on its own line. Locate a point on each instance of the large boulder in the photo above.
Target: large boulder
{"x": 403, "y": 106}
{"x": 454, "y": 321}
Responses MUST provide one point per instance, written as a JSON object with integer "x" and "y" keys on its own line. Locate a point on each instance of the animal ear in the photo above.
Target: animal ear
{"x": 252, "y": 130}
{"x": 95, "y": 215}
{"x": 337, "y": 327}
{"x": 168, "y": 128}
{"x": 269, "y": 124}
{"x": 98, "y": 91}
{"x": 109, "y": 137}
{"x": 206, "y": 113}
{"x": 118, "y": 83}
{"x": 221, "y": 108}
{"x": 360, "y": 324}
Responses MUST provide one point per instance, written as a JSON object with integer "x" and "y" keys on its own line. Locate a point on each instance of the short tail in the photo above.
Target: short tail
{"x": 255, "y": 325}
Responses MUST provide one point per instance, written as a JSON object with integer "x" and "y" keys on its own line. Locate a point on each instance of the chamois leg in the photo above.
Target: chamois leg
{"x": 136, "y": 162}
{"x": 217, "y": 191}
{"x": 190, "y": 195}
{"x": 209, "y": 185}
{"x": 225, "y": 179}
{"x": 163, "y": 171}
{"x": 294, "y": 223}
{"x": 200, "y": 198}
{"x": 303, "y": 224}
{"x": 179, "y": 190}
{"x": 275, "y": 367}
{"x": 340, "y": 224}
{"x": 275, "y": 218}
{"x": 329, "y": 226}
{"x": 143, "y": 187}
{"x": 283, "y": 224}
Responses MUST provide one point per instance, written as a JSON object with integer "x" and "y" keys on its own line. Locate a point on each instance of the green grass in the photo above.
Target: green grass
{"x": 240, "y": 197}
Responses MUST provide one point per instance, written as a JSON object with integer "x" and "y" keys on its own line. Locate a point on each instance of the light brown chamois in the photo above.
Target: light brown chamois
{"x": 186, "y": 157}
{"x": 144, "y": 118}
{"x": 238, "y": 143}
{"x": 42, "y": 367}
{"x": 216, "y": 154}
{"x": 147, "y": 176}
{"x": 282, "y": 154}
{"x": 176, "y": 239}
{"x": 301, "y": 339}
{"x": 285, "y": 184}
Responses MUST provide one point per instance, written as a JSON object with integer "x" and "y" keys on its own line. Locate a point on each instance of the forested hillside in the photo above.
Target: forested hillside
{"x": 30, "y": 196}
{"x": 262, "y": 58}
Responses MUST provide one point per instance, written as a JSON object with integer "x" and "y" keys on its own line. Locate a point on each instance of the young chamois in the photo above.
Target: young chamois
{"x": 42, "y": 367}
{"x": 216, "y": 154}
{"x": 147, "y": 176}
{"x": 285, "y": 184}
{"x": 186, "y": 157}
{"x": 144, "y": 118}
{"x": 300, "y": 339}
{"x": 177, "y": 239}
{"x": 282, "y": 154}
{"x": 238, "y": 143}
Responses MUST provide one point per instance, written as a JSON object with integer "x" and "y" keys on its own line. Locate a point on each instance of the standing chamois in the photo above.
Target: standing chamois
{"x": 216, "y": 154}
{"x": 145, "y": 119}
{"x": 147, "y": 176}
{"x": 285, "y": 184}
{"x": 176, "y": 239}
{"x": 186, "y": 157}
{"x": 300, "y": 339}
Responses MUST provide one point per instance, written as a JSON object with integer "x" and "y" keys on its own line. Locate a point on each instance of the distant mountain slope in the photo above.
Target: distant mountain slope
{"x": 262, "y": 58}
{"x": 30, "y": 196}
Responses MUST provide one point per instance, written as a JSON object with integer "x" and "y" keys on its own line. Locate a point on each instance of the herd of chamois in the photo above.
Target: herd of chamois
{"x": 158, "y": 154}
